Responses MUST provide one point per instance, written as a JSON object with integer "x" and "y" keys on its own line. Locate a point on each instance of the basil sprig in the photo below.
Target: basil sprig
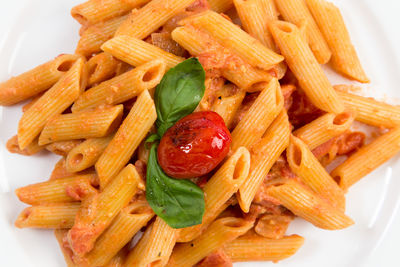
{"x": 180, "y": 203}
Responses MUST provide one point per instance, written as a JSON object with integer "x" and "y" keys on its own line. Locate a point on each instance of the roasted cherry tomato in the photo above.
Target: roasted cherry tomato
{"x": 194, "y": 146}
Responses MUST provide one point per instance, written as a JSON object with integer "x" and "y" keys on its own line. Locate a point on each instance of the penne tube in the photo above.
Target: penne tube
{"x": 220, "y": 6}
{"x": 69, "y": 189}
{"x": 251, "y": 247}
{"x": 101, "y": 67}
{"x": 53, "y": 102}
{"x": 96, "y": 35}
{"x": 99, "y": 210}
{"x": 128, "y": 222}
{"x": 296, "y": 12}
{"x": 94, "y": 123}
{"x": 264, "y": 154}
{"x": 155, "y": 247}
{"x": 137, "y": 52}
{"x": 94, "y": 11}
{"x": 35, "y": 81}
{"x": 260, "y": 115}
{"x": 234, "y": 69}
{"x": 220, "y": 232}
{"x": 367, "y": 159}
{"x": 128, "y": 137}
{"x": 232, "y": 37}
{"x": 60, "y": 234}
{"x": 13, "y": 147}
{"x": 368, "y": 110}
{"x": 344, "y": 56}
{"x": 305, "y": 67}
{"x": 308, "y": 205}
{"x": 152, "y": 16}
{"x": 119, "y": 259}
{"x": 123, "y": 87}
{"x": 217, "y": 191}
{"x": 62, "y": 148}
{"x": 273, "y": 226}
{"x": 86, "y": 154}
{"x": 227, "y": 105}
{"x": 52, "y": 216}
{"x": 325, "y": 128}
{"x": 306, "y": 166}
{"x": 60, "y": 171}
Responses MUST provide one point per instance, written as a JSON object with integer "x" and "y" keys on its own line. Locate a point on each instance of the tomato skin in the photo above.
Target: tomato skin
{"x": 194, "y": 146}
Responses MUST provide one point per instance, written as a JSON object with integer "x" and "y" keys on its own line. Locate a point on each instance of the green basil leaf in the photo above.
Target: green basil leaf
{"x": 179, "y": 93}
{"x": 180, "y": 203}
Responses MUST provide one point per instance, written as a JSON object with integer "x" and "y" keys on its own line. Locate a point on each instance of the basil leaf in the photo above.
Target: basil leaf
{"x": 178, "y": 93}
{"x": 180, "y": 203}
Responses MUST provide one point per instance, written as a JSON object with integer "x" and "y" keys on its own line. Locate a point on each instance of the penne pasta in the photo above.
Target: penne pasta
{"x": 101, "y": 67}
{"x": 13, "y": 147}
{"x": 217, "y": 191}
{"x": 273, "y": 226}
{"x": 251, "y": 247}
{"x": 305, "y": 67}
{"x": 367, "y": 159}
{"x": 264, "y": 154}
{"x": 331, "y": 23}
{"x": 123, "y": 87}
{"x": 306, "y": 204}
{"x": 62, "y": 148}
{"x": 99, "y": 122}
{"x": 60, "y": 234}
{"x": 306, "y": 166}
{"x": 296, "y": 12}
{"x": 35, "y": 81}
{"x": 325, "y": 128}
{"x": 52, "y": 216}
{"x": 128, "y": 137}
{"x": 99, "y": 210}
{"x": 52, "y": 103}
{"x": 220, "y": 232}
{"x": 220, "y": 6}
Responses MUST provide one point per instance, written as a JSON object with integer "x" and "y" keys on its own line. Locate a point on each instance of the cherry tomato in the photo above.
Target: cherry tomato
{"x": 194, "y": 146}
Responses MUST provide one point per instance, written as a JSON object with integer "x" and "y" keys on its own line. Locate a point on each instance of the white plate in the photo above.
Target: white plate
{"x": 43, "y": 29}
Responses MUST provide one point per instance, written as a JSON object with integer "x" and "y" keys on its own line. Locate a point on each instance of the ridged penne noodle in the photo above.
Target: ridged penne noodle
{"x": 305, "y": 67}
{"x": 325, "y": 128}
{"x": 94, "y": 123}
{"x": 369, "y": 110}
{"x": 60, "y": 234}
{"x": 273, "y": 226}
{"x": 251, "y": 247}
{"x": 119, "y": 259}
{"x": 35, "y": 81}
{"x": 217, "y": 191}
{"x": 331, "y": 23}
{"x": 94, "y": 11}
{"x": 128, "y": 137}
{"x": 231, "y": 36}
{"x": 367, "y": 159}
{"x": 152, "y": 16}
{"x": 60, "y": 170}
{"x": 264, "y": 154}
{"x": 137, "y": 52}
{"x": 96, "y": 35}
{"x": 98, "y": 211}
{"x": 296, "y": 11}
{"x": 220, "y": 232}
{"x": 52, "y": 216}
{"x": 128, "y": 222}
{"x": 31, "y": 149}
{"x": 52, "y": 103}
{"x": 61, "y": 190}
{"x": 227, "y": 105}
{"x": 123, "y": 87}
{"x": 62, "y": 148}
{"x": 306, "y": 166}
{"x": 155, "y": 247}
{"x": 220, "y": 6}
{"x": 306, "y": 204}
{"x": 101, "y": 67}
{"x": 260, "y": 115}
{"x": 86, "y": 154}
{"x": 236, "y": 70}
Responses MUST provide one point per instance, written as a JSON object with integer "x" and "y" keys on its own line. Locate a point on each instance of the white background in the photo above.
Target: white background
{"x": 385, "y": 11}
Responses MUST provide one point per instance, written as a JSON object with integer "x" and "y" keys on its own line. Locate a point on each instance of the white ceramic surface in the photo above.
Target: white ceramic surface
{"x": 33, "y": 31}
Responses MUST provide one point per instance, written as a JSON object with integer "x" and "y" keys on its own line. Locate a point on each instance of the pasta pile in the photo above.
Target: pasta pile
{"x": 262, "y": 60}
